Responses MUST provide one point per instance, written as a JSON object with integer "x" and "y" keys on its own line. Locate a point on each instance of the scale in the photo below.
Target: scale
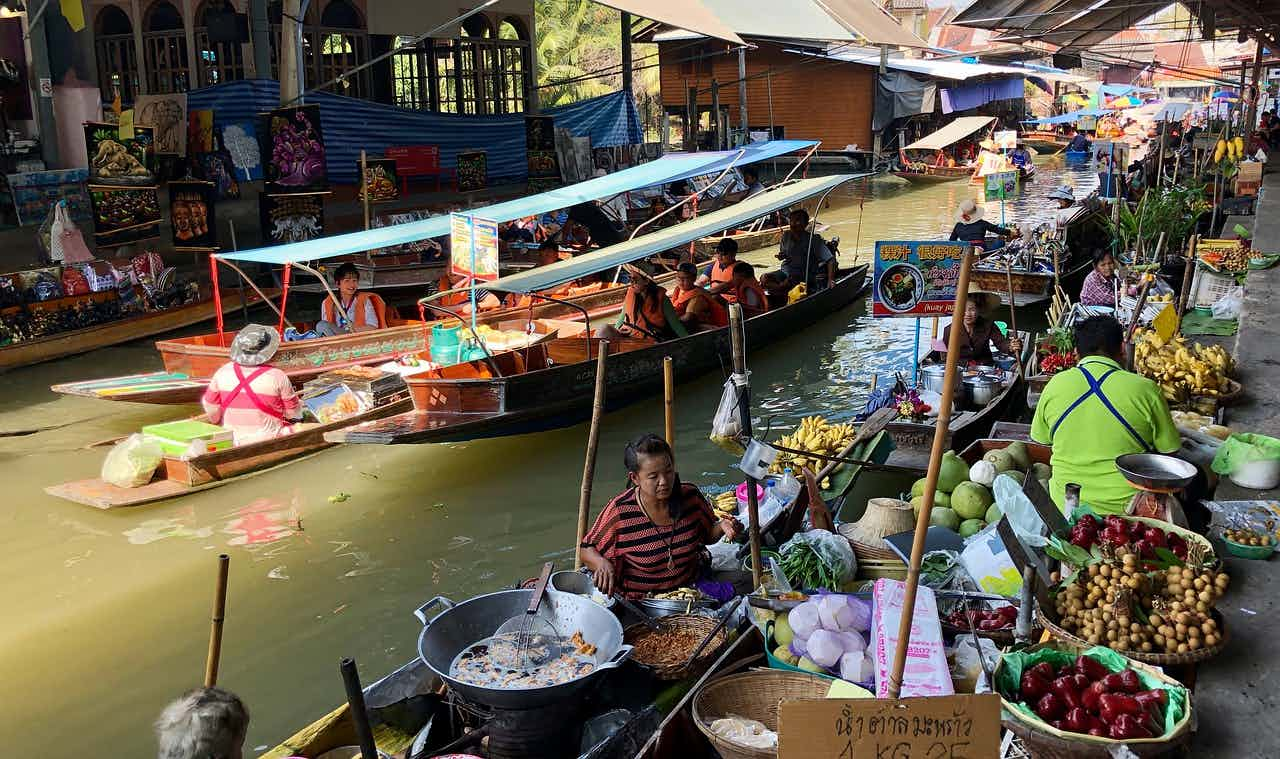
{"x": 1158, "y": 479}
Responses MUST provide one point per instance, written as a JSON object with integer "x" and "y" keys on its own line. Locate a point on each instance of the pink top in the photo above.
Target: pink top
{"x": 258, "y": 411}
{"x": 1097, "y": 291}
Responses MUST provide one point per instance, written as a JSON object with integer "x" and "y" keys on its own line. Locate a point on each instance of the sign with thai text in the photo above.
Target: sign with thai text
{"x": 916, "y": 278}
{"x": 940, "y": 727}
{"x": 473, "y": 247}
{"x": 1002, "y": 184}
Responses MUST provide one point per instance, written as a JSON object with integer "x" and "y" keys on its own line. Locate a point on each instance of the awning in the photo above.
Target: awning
{"x": 951, "y": 133}
{"x": 1071, "y": 117}
{"x": 545, "y": 277}
{"x": 942, "y": 68}
{"x": 794, "y": 20}
{"x": 1068, "y": 24}
{"x": 867, "y": 19}
{"x": 684, "y": 14}
{"x": 669, "y": 168}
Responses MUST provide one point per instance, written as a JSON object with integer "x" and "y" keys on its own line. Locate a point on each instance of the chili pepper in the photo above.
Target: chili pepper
{"x": 1128, "y": 726}
{"x": 1032, "y": 686}
{"x": 1130, "y": 682}
{"x": 1119, "y": 703}
{"x": 1090, "y": 668}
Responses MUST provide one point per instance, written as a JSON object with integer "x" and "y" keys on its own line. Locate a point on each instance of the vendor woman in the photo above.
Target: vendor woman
{"x": 652, "y": 537}
{"x": 1099, "y": 288}
{"x": 247, "y": 395}
{"x": 980, "y": 331}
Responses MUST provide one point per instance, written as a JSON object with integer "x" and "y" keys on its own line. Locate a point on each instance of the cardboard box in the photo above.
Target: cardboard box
{"x": 1246, "y": 188}
{"x": 1250, "y": 171}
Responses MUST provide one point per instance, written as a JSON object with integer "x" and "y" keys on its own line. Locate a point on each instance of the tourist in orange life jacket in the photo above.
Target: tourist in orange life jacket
{"x": 696, "y": 307}
{"x": 359, "y": 312}
{"x": 747, "y": 290}
{"x": 717, "y": 277}
{"x": 647, "y": 312}
{"x": 460, "y": 302}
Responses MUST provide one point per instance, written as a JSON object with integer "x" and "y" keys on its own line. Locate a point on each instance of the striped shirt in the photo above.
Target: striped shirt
{"x": 237, "y": 411}
{"x": 639, "y": 550}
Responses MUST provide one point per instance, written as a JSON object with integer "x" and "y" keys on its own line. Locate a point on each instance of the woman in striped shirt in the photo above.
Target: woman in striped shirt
{"x": 651, "y": 537}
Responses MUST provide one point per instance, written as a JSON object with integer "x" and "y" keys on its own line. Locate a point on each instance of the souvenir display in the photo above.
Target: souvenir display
{"x": 240, "y": 141}
{"x": 123, "y": 215}
{"x": 291, "y": 218}
{"x": 117, "y": 161}
{"x": 167, "y": 115}
{"x": 293, "y": 147}
{"x": 540, "y": 149}
{"x": 200, "y": 131}
{"x": 191, "y": 206}
{"x": 473, "y": 172}
{"x": 380, "y": 180}
{"x": 218, "y": 169}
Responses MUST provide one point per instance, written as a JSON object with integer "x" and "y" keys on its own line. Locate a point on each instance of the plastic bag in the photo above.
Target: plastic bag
{"x": 832, "y": 550}
{"x": 132, "y": 463}
{"x": 966, "y": 666}
{"x": 1019, "y": 510}
{"x": 926, "y": 672}
{"x": 1230, "y": 305}
{"x": 726, "y": 425}
{"x": 1243, "y": 448}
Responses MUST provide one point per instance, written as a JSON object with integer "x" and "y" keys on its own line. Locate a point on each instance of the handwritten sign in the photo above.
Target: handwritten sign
{"x": 915, "y": 278}
{"x": 1006, "y": 140}
{"x": 473, "y": 247}
{"x": 944, "y": 727}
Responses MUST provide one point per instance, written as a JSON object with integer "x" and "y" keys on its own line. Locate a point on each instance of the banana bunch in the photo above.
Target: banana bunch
{"x": 1182, "y": 369}
{"x": 814, "y": 435}
{"x": 1232, "y": 150}
{"x": 725, "y": 504}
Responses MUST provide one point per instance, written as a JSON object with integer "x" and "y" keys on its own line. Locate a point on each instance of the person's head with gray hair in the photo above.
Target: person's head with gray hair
{"x": 204, "y": 723}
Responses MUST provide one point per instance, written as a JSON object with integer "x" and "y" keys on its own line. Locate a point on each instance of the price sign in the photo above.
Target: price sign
{"x": 941, "y": 727}
{"x": 473, "y": 247}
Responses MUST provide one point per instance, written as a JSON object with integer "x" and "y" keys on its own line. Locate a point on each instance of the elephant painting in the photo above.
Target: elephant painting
{"x": 168, "y": 115}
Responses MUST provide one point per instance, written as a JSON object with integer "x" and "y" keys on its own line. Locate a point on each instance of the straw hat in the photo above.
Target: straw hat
{"x": 1063, "y": 192}
{"x": 987, "y": 144}
{"x": 883, "y": 517}
{"x": 255, "y": 345}
{"x": 969, "y": 211}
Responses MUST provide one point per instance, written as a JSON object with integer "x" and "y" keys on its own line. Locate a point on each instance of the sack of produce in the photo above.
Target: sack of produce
{"x": 926, "y": 672}
{"x": 1251, "y": 460}
{"x": 132, "y": 463}
{"x": 818, "y": 559}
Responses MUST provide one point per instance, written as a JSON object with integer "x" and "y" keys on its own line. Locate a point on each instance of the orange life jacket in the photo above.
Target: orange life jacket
{"x": 358, "y": 309}
{"x": 645, "y": 321}
{"x": 753, "y": 286}
{"x": 723, "y": 276}
{"x": 716, "y": 313}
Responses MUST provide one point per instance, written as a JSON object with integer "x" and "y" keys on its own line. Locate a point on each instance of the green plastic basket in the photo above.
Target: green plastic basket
{"x": 1247, "y": 552}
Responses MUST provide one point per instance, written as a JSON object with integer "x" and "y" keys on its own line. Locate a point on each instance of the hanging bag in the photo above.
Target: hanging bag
{"x": 74, "y": 250}
{"x": 52, "y": 236}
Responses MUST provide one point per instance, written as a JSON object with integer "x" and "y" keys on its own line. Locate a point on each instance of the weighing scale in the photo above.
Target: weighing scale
{"x": 1158, "y": 479}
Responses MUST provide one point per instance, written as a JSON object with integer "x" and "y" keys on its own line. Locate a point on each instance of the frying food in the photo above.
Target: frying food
{"x": 665, "y": 647}
{"x": 483, "y": 664}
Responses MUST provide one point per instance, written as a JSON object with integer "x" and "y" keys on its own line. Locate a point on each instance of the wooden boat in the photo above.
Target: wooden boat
{"x": 1042, "y": 140}
{"x": 932, "y": 174}
{"x": 126, "y": 329}
{"x": 747, "y": 240}
{"x": 177, "y": 477}
{"x": 551, "y": 385}
{"x": 1085, "y": 233}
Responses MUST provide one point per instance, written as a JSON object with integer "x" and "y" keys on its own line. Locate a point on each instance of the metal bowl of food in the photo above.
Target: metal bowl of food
{"x": 580, "y": 584}
{"x": 688, "y": 602}
{"x": 1156, "y": 471}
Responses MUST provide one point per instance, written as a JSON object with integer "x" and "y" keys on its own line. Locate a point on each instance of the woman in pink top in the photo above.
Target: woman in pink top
{"x": 253, "y": 400}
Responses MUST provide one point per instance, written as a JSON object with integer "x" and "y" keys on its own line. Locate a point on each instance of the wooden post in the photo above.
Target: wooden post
{"x": 669, "y": 399}
{"x": 1184, "y": 297}
{"x": 364, "y": 188}
{"x": 931, "y": 484}
{"x": 593, "y": 442}
{"x": 1013, "y": 319}
{"x": 1164, "y": 128}
{"x": 738, "y": 343}
{"x": 215, "y": 631}
{"x": 933, "y": 331}
{"x": 356, "y": 707}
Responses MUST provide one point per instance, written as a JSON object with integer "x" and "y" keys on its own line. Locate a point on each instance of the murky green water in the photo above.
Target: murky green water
{"x": 106, "y": 613}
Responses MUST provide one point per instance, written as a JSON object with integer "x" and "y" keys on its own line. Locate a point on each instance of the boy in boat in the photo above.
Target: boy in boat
{"x": 717, "y": 277}
{"x": 1079, "y": 143}
{"x": 359, "y": 312}
{"x": 805, "y": 258}
{"x": 647, "y": 312}
{"x": 697, "y": 308}
{"x": 460, "y": 302}
{"x": 246, "y": 395}
{"x": 203, "y": 723}
{"x": 747, "y": 291}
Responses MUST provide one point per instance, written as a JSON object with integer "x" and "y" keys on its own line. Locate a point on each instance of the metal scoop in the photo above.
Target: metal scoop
{"x": 529, "y": 640}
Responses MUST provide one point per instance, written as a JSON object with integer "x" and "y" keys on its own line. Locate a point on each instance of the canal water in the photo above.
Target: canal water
{"x": 106, "y": 614}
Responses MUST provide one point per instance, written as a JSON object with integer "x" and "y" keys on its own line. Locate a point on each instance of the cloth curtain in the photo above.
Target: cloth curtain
{"x": 974, "y": 95}
{"x": 898, "y": 95}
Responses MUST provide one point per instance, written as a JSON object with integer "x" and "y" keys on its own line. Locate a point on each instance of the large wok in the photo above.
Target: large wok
{"x": 458, "y": 626}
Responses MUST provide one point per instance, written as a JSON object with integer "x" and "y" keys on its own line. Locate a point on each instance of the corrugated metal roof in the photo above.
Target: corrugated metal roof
{"x": 945, "y": 69}
{"x": 868, "y": 19}
{"x": 951, "y": 133}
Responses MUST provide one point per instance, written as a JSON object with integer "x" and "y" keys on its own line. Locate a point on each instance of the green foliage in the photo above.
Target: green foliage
{"x": 1172, "y": 210}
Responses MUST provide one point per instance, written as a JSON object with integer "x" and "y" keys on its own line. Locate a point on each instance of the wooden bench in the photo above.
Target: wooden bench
{"x": 418, "y": 161}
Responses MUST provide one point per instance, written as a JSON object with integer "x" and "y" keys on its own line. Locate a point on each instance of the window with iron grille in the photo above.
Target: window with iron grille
{"x": 117, "y": 58}
{"x": 164, "y": 45}
{"x": 216, "y": 62}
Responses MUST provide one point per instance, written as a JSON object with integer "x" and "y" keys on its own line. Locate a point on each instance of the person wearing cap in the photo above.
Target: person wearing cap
{"x": 1096, "y": 411}
{"x": 1066, "y": 199}
{"x": 697, "y": 308}
{"x": 247, "y": 395}
{"x": 980, "y": 331}
{"x": 972, "y": 228}
{"x": 717, "y": 277}
{"x": 354, "y": 311}
{"x": 647, "y": 312}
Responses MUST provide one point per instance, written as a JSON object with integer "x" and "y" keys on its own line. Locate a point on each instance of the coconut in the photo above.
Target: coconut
{"x": 1021, "y": 456}
{"x": 971, "y": 527}
{"x": 944, "y": 517}
{"x": 971, "y": 500}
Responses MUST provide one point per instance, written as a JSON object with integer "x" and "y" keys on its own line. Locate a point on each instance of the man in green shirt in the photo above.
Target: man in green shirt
{"x": 1097, "y": 411}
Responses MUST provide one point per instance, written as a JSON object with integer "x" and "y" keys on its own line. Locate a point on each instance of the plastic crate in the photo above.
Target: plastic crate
{"x": 1212, "y": 288}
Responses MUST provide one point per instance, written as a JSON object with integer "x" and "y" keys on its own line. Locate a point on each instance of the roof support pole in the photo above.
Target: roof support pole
{"x": 717, "y": 131}
{"x": 742, "y": 95}
{"x": 1251, "y": 116}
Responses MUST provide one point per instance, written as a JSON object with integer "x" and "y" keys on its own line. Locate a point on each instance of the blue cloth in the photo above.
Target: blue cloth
{"x": 350, "y": 124}
{"x": 1071, "y": 116}
{"x": 1079, "y": 143}
{"x": 971, "y": 96}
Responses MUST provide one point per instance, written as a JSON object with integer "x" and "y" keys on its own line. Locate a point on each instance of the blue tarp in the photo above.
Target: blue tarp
{"x": 1116, "y": 90}
{"x": 669, "y": 168}
{"x": 969, "y": 96}
{"x": 350, "y": 124}
{"x": 1071, "y": 117}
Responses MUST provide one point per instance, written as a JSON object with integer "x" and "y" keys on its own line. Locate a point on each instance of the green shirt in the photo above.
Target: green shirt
{"x": 1088, "y": 441}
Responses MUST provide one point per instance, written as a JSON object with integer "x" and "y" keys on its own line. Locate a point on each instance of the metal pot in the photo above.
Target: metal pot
{"x": 980, "y": 389}
{"x": 458, "y": 626}
{"x": 933, "y": 375}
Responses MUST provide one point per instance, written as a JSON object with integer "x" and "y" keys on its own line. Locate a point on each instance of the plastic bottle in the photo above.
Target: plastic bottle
{"x": 788, "y": 487}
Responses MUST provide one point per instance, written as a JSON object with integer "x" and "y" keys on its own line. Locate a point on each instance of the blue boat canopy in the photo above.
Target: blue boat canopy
{"x": 669, "y": 168}
{"x": 775, "y": 198}
{"x": 1072, "y": 117}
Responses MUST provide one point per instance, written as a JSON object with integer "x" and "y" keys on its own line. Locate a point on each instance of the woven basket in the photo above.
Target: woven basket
{"x": 883, "y": 517}
{"x": 754, "y": 695}
{"x": 1232, "y": 394}
{"x": 679, "y": 670}
{"x": 1160, "y": 659}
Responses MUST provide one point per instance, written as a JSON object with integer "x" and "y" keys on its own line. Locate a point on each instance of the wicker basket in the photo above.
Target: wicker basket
{"x": 697, "y": 624}
{"x": 1158, "y": 659}
{"x": 754, "y": 695}
{"x": 883, "y": 517}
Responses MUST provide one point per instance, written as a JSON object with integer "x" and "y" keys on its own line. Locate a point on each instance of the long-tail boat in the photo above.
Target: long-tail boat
{"x": 922, "y": 171}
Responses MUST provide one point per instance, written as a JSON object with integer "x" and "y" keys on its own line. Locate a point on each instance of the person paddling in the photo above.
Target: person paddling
{"x": 246, "y": 395}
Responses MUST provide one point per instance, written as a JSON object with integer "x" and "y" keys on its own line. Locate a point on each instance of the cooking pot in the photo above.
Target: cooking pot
{"x": 980, "y": 389}
{"x": 445, "y": 635}
{"x": 932, "y": 376}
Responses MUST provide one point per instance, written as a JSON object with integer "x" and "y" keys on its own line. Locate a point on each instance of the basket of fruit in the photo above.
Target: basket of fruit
{"x": 1148, "y": 536}
{"x": 1248, "y": 544}
{"x": 1065, "y": 700}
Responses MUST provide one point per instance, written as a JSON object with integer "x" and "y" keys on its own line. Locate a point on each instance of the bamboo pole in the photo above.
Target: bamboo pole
{"x": 364, "y": 187}
{"x": 1013, "y": 319}
{"x": 738, "y": 344}
{"x": 940, "y": 431}
{"x": 669, "y": 399}
{"x": 1184, "y": 297}
{"x": 593, "y": 442}
{"x": 215, "y": 630}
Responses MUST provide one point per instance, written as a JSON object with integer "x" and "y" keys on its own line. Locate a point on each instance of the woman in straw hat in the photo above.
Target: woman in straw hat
{"x": 248, "y": 396}
{"x": 980, "y": 331}
{"x": 972, "y": 228}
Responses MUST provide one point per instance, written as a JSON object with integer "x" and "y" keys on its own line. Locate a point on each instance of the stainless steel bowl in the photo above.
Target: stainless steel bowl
{"x": 660, "y": 607}
{"x": 579, "y": 584}
{"x": 1156, "y": 471}
{"x": 981, "y": 389}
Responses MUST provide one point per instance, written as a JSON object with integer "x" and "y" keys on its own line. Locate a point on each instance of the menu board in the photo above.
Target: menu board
{"x": 1002, "y": 184}
{"x": 473, "y": 247}
{"x": 916, "y": 278}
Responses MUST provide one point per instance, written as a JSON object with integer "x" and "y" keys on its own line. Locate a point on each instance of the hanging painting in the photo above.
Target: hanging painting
{"x": 191, "y": 215}
{"x": 117, "y": 161}
{"x": 200, "y": 131}
{"x": 217, "y": 167}
{"x": 472, "y": 171}
{"x": 167, "y": 114}
{"x": 293, "y": 149}
{"x": 123, "y": 215}
{"x": 291, "y": 218}
{"x": 540, "y": 150}
{"x": 380, "y": 180}
{"x": 240, "y": 139}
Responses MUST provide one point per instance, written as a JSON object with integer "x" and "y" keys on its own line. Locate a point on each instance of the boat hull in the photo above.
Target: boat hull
{"x": 465, "y": 409}
{"x": 935, "y": 174}
{"x": 747, "y": 241}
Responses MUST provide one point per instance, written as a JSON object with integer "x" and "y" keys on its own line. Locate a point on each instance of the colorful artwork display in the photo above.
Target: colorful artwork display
{"x": 540, "y": 151}
{"x": 35, "y": 192}
{"x": 123, "y": 215}
{"x": 217, "y": 167}
{"x": 291, "y": 218}
{"x": 380, "y": 180}
{"x": 915, "y": 278}
{"x": 167, "y": 114}
{"x": 200, "y": 131}
{"x": 240, "y": 140}
{"x": 191, "y": 217}
{"x": 291, "y": 142}
{"x": 472, "y": 171}
{"x": 117, "y": 161}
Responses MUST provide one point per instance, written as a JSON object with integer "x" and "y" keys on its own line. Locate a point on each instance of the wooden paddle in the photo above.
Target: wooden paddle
{"x": 872, "y": 426}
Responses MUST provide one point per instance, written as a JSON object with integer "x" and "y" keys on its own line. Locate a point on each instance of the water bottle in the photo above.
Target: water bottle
{"x": 788, "y": 487}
